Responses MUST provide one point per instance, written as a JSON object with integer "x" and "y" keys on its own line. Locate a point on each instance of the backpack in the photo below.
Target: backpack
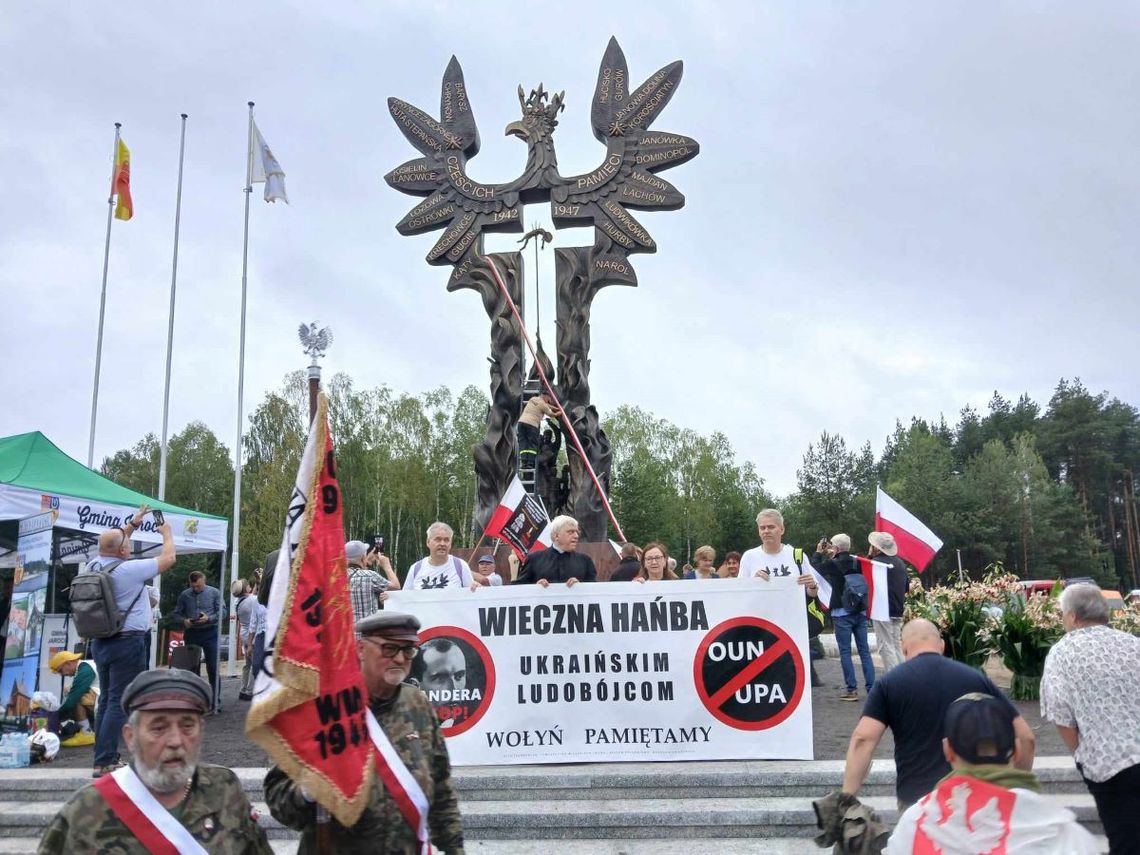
{"x": 815, "y": 618}
{"x": 93, "y": 608}
{"x": 461, "y": 570}
{"x": 855, "y": 593}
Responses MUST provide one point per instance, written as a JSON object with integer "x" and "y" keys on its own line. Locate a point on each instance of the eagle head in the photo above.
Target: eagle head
{"x": 540, "y": 115}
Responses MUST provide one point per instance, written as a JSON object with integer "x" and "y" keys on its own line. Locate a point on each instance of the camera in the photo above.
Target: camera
{"x": 378, "y": 543}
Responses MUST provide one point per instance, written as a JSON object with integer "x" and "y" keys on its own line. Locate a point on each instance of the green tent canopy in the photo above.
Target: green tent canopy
{"x": 35, "y": 476}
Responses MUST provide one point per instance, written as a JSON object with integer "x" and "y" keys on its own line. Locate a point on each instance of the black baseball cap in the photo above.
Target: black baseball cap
{"x": 979, "y": 728}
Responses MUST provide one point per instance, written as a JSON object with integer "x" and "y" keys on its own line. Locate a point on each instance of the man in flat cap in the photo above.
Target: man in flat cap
{"x": 165, "y": 800}
{"x": 388, "y": 643}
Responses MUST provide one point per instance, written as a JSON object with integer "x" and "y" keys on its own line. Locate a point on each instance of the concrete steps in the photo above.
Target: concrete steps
{"x": 610, "y": 809}
{"x": 707, "y": 846}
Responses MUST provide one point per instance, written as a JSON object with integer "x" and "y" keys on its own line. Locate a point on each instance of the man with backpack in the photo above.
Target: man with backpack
{"x": 439, "y": 569}
{"x": 118, "y": 629}
{"x": 779, "y": 564}
{"x": 849, "y": 600}
{"x": 773, "y": 560}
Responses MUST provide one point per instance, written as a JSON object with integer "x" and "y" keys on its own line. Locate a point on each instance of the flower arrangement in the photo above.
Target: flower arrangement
{"x": 964, "y": 613}
{"x": 994, "y": 616}
{"x": 1022, "y": 636}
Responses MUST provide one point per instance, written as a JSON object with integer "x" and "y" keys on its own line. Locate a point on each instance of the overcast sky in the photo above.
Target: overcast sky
{"x": 898, "y": 207}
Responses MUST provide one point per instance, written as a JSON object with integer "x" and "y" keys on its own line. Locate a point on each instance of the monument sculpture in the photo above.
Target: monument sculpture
{"x": 466, "y": 209}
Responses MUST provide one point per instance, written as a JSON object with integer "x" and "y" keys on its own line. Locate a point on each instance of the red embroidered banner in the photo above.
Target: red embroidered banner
{"x": 310, "y": 702}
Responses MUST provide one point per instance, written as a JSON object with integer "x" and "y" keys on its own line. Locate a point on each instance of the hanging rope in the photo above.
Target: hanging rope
{"x": 553, "y": 395}
{"x": 536, "y": 233}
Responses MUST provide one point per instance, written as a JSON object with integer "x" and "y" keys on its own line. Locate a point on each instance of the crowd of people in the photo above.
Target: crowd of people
{"x": 963, "y": 753}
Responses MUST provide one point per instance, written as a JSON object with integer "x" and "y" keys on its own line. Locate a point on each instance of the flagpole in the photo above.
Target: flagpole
{"x": 241, "y": 372}
{"x": 102, "y": 305}
{"x": 157, "y": 581}
{"x": 170, "y": 320}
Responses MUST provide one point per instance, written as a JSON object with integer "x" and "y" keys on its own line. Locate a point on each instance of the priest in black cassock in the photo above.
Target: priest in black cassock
{"x": 561, "y": 562}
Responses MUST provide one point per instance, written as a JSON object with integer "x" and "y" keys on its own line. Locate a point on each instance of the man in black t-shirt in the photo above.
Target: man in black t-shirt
{"x": 912, "y": 699}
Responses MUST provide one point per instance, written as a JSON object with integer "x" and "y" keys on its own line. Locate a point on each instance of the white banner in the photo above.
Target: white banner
{"x": 191, "y": 533}
{"x": 616, "y": 671}
{"x": 56, "y": 638}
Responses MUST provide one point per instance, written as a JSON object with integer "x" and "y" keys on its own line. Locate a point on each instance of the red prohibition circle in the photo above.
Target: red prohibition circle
{"x": 784, "y": 640}
{"x": 484, "y": 655}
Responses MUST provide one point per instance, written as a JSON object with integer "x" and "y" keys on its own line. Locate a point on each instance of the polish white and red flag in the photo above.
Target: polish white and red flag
{"x": 520, "y": 521}
{"x": 917, "y": 543}
{"x": 878, "y": 604}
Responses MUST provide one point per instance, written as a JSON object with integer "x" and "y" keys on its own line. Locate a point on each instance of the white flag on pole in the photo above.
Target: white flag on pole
{"x": 266, "y": 169}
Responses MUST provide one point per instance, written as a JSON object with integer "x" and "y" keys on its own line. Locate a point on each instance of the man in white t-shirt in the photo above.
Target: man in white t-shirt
{"x": 439, "y": 569}
{"x": 774, "y": 561}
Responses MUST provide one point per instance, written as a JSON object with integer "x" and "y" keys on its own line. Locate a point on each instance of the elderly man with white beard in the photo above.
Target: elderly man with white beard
{"x": 165, "y": 801}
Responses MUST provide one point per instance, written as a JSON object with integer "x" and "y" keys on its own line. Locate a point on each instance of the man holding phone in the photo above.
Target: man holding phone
{"x": 197, "y": 613}
{"x": 122, "y": 657}
{"x": 366, "y": 586}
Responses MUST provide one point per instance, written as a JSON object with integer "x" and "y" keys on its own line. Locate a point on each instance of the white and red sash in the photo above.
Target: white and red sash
{"x": 400, "y": 783}
{"x": 154, "y": 826}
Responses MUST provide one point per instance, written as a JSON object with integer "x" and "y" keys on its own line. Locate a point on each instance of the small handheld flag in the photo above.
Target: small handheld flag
{"x": 520, "y": 521}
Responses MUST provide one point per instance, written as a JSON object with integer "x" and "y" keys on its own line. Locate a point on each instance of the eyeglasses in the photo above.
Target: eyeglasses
{"x": 389, "y": 650}
{"x": 654, "y": 558}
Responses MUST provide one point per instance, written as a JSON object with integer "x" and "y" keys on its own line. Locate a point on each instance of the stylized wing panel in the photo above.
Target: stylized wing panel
{"x": 421, "y": 176}
{"x": 462, "y": 207}
{"x": 422, "y": 131}
{"x": 623, "y": 229}
{"x": 454, "y": 234}
{"x": 434, "y": 212}
{"x": 621, "y": 118}
{"x": 612, "y": 90}
{"x": 455, "y": 110}
{"x": 643, "y": 190}
{"x": 647, "y": 102}
{"x": 657, "y": 150}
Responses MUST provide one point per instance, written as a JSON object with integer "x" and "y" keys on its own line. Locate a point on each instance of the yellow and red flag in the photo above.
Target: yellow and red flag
{"x": 310, "y": 705}
{"x": 121, "y": 184}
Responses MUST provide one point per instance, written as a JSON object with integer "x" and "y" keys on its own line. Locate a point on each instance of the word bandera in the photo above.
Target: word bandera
{"x": 567, "y": 618}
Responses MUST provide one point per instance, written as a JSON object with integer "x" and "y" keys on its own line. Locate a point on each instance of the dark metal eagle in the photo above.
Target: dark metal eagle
{"x": 626, "y": 178}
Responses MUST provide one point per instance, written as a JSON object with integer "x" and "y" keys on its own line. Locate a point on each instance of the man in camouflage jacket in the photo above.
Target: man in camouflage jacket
{"x": 164, "y": 733}
{"x": 387, "y": 645}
